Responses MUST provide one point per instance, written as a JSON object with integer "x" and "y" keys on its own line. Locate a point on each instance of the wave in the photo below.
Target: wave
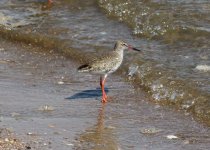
{"x": 160, "y": 19}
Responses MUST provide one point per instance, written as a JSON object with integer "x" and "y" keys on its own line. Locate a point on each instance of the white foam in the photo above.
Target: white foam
{"x": 204, "y": 68}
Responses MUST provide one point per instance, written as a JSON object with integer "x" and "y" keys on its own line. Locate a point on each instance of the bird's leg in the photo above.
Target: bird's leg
{"x": 102, "y": 83}
{"x": 50, "y": 1}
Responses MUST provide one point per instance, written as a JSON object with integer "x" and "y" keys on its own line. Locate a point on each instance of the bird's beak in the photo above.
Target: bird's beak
{"x": 133, "y": 48}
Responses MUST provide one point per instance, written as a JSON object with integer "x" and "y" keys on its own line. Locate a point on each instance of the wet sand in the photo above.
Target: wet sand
{"x": 48, "y": 105}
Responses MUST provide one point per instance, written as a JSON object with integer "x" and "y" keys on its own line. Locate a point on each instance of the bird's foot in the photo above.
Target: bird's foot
{"x": 105, "y": 96}
{"x": 104, "y": 99}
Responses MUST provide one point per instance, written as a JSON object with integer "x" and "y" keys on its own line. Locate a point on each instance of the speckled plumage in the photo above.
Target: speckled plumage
{"x": 103, "y": 65}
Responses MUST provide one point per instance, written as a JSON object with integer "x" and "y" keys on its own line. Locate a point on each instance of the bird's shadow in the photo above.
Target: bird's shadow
{"x": 96, "y": 93}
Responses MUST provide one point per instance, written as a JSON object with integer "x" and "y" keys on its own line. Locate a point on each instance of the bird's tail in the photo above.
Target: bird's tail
{"x": 84, "y": 68}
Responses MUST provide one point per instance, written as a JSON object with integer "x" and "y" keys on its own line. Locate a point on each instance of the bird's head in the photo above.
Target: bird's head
{"x": 121, "y": 45}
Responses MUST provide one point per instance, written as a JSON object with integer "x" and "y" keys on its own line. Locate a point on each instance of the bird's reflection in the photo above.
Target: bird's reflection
{"x": 98, "y": 137}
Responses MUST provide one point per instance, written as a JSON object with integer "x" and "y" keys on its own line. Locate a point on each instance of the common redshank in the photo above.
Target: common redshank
{"x": 107, "y": 64}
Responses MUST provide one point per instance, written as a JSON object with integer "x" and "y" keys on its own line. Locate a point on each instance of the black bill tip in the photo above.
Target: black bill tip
{"x": 135, "y": 49}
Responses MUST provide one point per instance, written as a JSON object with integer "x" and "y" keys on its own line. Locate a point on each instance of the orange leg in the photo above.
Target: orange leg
{"x": 50, "y": 1}
{"x": 102, "y": 83}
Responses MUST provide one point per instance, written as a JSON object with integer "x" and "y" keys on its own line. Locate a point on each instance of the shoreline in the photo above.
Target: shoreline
{"x": 49, "y": 105}
{"x": 147, "y": 77}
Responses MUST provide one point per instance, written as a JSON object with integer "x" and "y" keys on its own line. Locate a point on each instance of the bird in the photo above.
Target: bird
{"x": 106, "y": 64}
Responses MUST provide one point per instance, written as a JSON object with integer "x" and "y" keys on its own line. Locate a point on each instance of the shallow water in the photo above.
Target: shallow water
{"x": 48, "y": 105}
{"x": 174, "y": 36}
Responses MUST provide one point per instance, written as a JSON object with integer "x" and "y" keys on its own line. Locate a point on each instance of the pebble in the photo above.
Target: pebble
{"x": 186, "y": 142}
{"x": 150, "y": 130}
{"x": 6, "y": 140}
{"x": 60, "y": 82}
{"x": 171, "y": 137}
{"x": 29, "y": 133}
{"x": 204, "y": 68}
{"x": 45, "y": 144}
{"x": 28, "y": 147}
{"x": 46, "y": 108}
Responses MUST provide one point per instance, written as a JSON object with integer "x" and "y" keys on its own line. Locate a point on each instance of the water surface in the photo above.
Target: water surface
{"x": 174, "y": 35}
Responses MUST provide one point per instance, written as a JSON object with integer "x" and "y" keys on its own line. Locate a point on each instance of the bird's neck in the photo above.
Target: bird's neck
{"x": 119, "y": 52}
